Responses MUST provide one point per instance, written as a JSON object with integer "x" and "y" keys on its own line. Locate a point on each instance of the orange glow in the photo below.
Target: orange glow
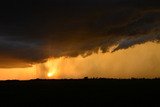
{"x": 50, "y": 74}
{"x": 49, "y": 69}
{"x": 139, "y": 61}
{"x": 18, "y": 73}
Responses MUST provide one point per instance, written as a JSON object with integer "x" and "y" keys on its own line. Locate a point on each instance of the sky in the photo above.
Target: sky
{"x": 78, "y": 38}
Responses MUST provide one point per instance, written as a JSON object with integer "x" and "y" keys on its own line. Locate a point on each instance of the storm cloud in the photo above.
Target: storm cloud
{"x": 33, "y": 30}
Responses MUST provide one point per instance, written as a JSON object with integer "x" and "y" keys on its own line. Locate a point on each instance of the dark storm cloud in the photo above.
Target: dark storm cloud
{"x": 33, "y": 30}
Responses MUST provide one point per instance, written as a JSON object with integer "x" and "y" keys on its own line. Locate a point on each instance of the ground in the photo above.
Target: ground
{"x": 81, "y": 92}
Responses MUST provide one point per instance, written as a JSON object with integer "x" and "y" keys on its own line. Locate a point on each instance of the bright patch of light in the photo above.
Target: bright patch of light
{"x": 50, "y": 74}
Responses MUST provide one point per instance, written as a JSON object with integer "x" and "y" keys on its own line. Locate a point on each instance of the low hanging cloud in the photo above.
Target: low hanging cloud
{"x": 31, "y": 31}
{"x": 126, "y": 43}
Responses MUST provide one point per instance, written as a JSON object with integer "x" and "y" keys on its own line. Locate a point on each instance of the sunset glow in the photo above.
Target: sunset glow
{"x": 73, "y": 52}
{"x": 50, "y": 74}
{"x": 108, "y": 65}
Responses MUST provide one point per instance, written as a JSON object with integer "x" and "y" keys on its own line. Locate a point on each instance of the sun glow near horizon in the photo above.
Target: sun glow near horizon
{"x": 141, "y": 64}
{"x": 141, "y": 61}
{"x": 49, "y": 69}
{"x": 52, "y": 72}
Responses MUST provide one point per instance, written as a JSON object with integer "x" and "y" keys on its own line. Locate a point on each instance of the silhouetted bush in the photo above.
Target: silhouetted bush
{"x": 85, "y": 78}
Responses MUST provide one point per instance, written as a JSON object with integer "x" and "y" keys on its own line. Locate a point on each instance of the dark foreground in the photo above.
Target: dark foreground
{"x": 85, "y": 92}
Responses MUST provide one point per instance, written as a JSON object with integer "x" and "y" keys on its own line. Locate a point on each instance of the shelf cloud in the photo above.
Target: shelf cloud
{"x": 31, "y": 31}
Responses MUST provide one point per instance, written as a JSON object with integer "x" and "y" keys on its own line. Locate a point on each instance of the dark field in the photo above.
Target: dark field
{"x": 82, "y": 92}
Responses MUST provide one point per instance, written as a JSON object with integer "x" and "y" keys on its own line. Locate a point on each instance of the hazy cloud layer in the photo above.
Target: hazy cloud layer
{"x": 33, "y": 30}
